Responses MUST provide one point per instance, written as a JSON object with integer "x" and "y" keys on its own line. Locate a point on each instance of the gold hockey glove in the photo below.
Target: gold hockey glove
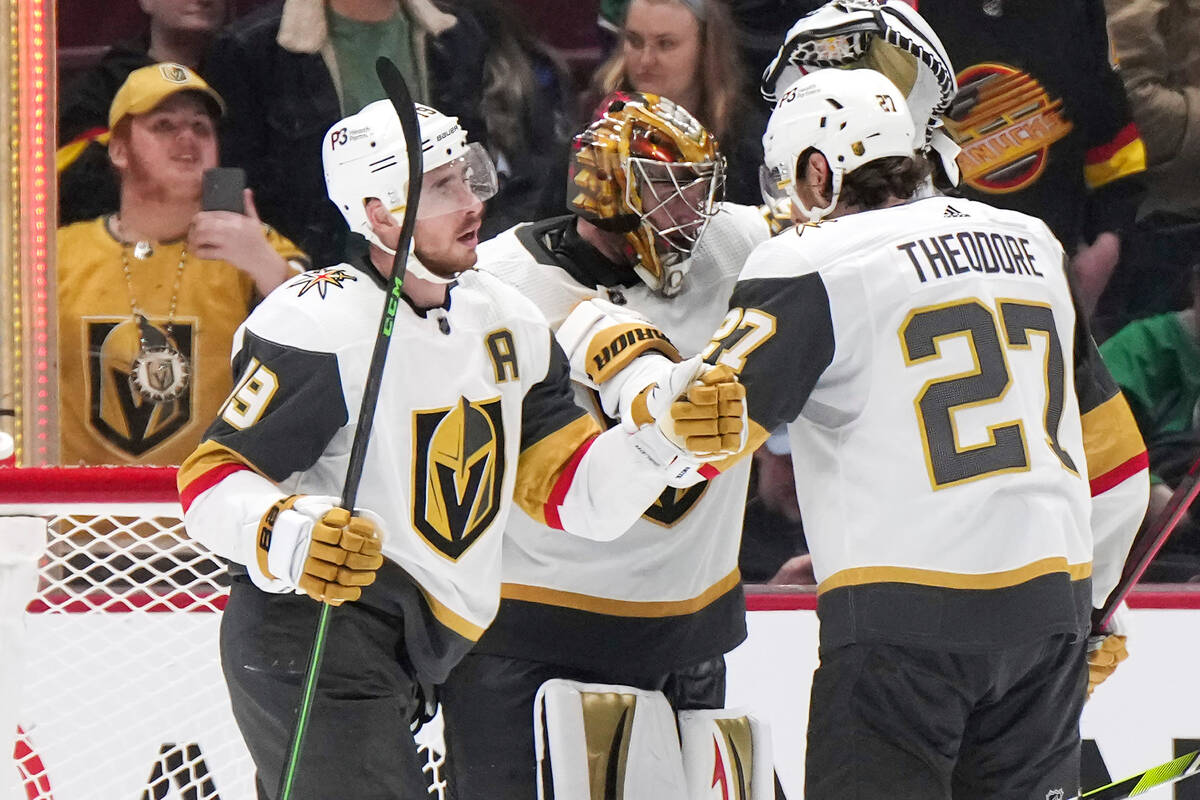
{"x": 703, "y": 416}
{"x": 324, "y": 552}
{"x": 1105, "y": 652}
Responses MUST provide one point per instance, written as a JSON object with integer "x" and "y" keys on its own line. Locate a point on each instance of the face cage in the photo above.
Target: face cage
{"x": 679, "y": 235}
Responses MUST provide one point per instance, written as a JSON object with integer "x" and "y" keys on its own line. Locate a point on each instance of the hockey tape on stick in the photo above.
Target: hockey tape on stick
{"x": 398, "y": 94}
{"x": 1170, "y": 772}
{"x": 1147, "y": 544}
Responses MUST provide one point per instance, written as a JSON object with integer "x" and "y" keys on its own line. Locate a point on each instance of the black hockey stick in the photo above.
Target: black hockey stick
{"x": 1174, "y": 770}
{"x": 397, "y": 92}
{"x": 1147, "y": 544}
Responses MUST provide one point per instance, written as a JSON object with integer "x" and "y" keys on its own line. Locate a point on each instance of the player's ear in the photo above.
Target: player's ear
{"x": 380, "y": 218}
{"x": 816, "y": 170}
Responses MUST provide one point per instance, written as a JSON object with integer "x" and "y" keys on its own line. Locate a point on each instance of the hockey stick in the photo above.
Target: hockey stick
{"x": 1147, "y": 544}
{"x": 397, "y": 92}
{"x": 1174, "y": 770}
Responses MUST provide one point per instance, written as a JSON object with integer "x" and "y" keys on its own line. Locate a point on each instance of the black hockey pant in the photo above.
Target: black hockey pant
{"x": 358, "y": 743}
{"x": 908, "y": 723}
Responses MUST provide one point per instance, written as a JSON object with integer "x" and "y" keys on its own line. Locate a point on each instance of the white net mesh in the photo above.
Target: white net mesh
{"x": 123, "y": 697}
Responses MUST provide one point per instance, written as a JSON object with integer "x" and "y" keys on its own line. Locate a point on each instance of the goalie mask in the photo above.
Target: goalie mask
{"x": 365, "y": 157}
{"x": 889, "y": 37}
{"x": 648, "y": 169}
{"x": 851, "y": 117}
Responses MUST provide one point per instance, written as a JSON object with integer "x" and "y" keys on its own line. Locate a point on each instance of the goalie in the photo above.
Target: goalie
{"x": 475, "y": 415}
{"x": 643, "y": 265}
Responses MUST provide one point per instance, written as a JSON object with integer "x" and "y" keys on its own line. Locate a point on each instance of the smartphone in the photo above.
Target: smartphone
{"x": 223, "y": 188}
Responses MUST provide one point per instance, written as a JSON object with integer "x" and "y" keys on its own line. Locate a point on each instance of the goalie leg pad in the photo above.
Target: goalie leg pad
{"x": 727, "y": 754}
{"x": 602, "y": 740}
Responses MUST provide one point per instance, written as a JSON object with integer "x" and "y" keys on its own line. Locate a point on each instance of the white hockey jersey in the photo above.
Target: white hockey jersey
{"x": 950, "y": 421}
{"x": 475, "y": 412}
{"x": 667, "y": 593}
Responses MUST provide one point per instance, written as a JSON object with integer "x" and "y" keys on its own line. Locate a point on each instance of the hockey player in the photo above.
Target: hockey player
{"x": 475, "y": 413}
{"x": 659, "y": 607}
{"x": 949, "y": 421}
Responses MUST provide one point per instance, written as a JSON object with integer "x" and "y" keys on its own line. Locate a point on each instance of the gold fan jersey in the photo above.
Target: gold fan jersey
{"x": 102, "y": 420}
{"x": 667, "y": 593}
{"x": 475, "y": 412}
{"x": 951, "y": 424}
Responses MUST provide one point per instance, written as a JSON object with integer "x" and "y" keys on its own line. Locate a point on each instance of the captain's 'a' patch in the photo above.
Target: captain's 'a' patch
{"x": 321, "y": 280}
{"x": 458, "y": 473}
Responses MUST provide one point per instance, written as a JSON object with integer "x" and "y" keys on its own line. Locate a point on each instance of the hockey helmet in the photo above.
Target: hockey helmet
{"x": 851, "y": 117}
{"x": 365, "y": 156}
{"x": 884, "y": 35}
{"x": 648, "y": 169}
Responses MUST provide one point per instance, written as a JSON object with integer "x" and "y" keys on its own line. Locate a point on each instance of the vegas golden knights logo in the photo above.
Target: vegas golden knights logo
{"x": 674, "y": 504}
{"x": 120, "y": 415}
{"x": 458, "y": 473}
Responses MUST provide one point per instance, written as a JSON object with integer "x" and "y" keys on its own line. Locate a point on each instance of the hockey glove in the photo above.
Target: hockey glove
{"x": 307, "y": 545}
{"x": 1106, "y": 649}
{"x": 700, "y": 414}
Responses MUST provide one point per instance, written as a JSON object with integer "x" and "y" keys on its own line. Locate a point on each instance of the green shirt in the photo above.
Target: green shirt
{"x": 357, "y": 44}
{"x": 1156, "y": 361}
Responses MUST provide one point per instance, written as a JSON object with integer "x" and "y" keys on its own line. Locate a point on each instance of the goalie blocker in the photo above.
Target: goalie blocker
{"x": 605, "y": 740}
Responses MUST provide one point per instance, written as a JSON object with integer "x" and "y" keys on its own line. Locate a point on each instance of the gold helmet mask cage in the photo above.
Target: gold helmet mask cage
{"x": 648, "y": 169}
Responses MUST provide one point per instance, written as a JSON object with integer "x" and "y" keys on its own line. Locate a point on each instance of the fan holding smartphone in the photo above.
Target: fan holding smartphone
{"x": 149, "y": 297}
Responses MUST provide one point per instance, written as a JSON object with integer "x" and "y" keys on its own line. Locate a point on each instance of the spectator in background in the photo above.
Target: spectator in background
{"x": 1043, "y": 122}
{"x": 1155, "y": 43}
{"x": 685, "y": 50}
{"x": 149, "y": 297}
{"x": 289, "y": 72}
{"x": 1156, "y": 362}
{"x": 773, "y": 546}
{"x": 528, "y": 107}
{"x": 176, "y": 31}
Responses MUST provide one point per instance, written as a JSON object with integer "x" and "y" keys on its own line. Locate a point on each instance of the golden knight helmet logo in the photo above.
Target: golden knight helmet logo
{"x": 458, "y": 473}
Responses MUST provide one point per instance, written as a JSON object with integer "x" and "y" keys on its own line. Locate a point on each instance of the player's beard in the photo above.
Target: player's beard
{"x": 151, "y": 184}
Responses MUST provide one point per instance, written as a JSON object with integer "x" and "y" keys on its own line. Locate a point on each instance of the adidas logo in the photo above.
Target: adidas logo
{"x": 951, "y": 211}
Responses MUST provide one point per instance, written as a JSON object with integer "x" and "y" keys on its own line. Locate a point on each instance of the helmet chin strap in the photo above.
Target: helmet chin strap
{"x": 413, "y": 266}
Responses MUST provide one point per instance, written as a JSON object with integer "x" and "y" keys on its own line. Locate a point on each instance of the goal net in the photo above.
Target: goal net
{"x": 122, "y": 696}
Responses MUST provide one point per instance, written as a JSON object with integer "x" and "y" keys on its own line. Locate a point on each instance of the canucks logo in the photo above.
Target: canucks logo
{"x": 458, "y": 473}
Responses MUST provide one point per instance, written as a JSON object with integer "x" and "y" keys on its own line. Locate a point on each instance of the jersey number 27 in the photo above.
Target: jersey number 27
{"x": 921, "y": 334}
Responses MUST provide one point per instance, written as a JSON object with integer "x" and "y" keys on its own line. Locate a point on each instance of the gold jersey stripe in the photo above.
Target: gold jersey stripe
{"x": 540, "y": 464}
{"x": 619, "y": 608}
{"x": 452, "y": 620}
{"x": 209, "y": 456}
{"x": 857, "y": 576}
{"x": 1110, "y": 436}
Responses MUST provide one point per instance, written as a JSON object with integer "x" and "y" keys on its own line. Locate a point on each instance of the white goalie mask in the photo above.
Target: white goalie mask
{"x": 365, "y": 156}
{"x": 888, "y": 37}
{"x": 851, "y": 117}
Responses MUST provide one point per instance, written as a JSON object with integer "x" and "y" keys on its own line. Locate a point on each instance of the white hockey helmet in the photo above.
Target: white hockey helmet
{"x": 889, "y": 37}
{"x": 851, "y": 117}
{"x": 365, "y": 156}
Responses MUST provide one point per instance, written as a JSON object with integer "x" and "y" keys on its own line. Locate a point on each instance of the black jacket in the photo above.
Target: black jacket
{"x": 281, "y": 103}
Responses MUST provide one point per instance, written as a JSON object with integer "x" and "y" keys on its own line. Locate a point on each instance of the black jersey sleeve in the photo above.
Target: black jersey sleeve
{"x": 285, "y": 407}
{"x": 778, "y": 337}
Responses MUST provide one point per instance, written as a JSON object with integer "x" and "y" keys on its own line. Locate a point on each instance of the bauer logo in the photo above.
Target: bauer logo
{"x": 458, "y": 473}
{"x": 1005, "y": 123}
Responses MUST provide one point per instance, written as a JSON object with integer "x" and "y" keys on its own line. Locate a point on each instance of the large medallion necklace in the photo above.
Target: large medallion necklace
{"x": 159, "y": 372}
